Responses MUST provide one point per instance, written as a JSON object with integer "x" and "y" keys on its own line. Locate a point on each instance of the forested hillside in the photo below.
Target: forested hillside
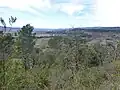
{"x": 57, "y": 63}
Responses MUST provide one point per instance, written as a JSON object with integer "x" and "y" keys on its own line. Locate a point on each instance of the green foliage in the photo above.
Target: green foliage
{"x": 12, "y": 20}
{"x": 55, "y": 42}
{"x": 86, "y": 79}
{"x": 17, "y": 78}
{"x": 67, "y": 63}
{"x": 6, "y": 50}
{"x": 6, "y": 40}
{"x": 3, "y": 22}
{"x": 24, "y": 44}
{"x": 26, "y": 38}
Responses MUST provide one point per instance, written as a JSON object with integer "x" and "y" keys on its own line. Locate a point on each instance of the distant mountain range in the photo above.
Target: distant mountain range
{"x": 35, "y": 29}
{"x": 13, "y": 29}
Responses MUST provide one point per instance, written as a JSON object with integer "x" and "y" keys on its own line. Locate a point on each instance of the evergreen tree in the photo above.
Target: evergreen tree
{"x": 25, "y": 44}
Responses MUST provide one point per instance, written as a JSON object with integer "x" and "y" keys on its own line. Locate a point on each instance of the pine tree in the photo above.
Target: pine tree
{"x": 25, "y": 44}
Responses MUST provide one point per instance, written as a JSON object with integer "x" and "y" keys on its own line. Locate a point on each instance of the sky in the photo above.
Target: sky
{"x": 61, "y": 13}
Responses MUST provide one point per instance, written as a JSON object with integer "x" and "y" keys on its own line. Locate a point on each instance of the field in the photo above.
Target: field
{"x": 42, "y": 42}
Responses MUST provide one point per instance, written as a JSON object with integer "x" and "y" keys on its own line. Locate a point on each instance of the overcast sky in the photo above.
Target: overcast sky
{"x": 62, "y": 13}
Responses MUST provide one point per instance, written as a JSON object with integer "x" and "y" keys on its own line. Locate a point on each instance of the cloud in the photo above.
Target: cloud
{"x": 24, "y": 4}
{"x": 66, "y": 6}
{"x": 108, "y": 12}
{"x": 50, "y": 12}
{"x": 71, "y": 8}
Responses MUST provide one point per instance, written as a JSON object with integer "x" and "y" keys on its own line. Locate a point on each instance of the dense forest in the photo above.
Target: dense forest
{"x": 56, "y": 63}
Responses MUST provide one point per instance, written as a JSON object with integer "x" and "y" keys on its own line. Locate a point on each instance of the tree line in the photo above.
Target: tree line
{"x": 64, "y": 63}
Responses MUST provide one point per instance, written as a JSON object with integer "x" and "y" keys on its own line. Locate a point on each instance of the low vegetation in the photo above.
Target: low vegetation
{"x": 57, "y": 63}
